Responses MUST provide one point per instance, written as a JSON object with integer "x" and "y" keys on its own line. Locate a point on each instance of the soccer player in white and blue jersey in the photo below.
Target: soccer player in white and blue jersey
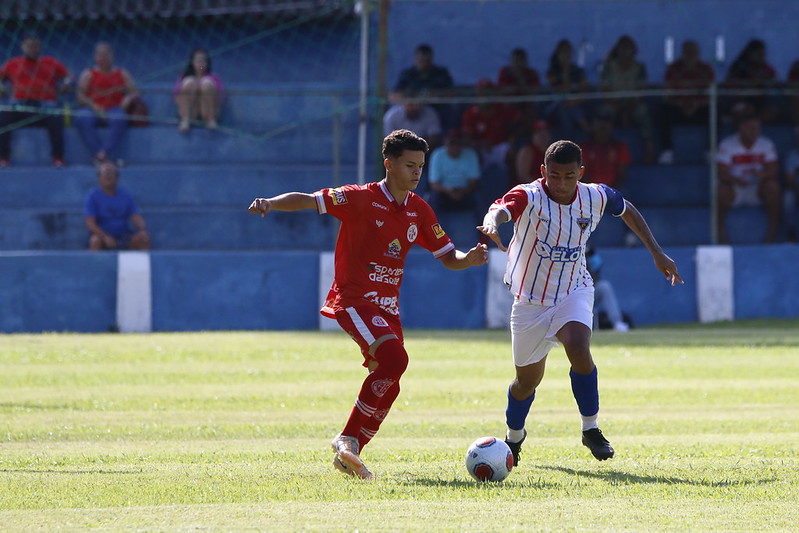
{"x": 553, "y": 292}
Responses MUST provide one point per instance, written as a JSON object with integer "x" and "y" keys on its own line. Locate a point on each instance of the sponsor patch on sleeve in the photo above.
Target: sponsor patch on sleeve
{"x": 338, "y": 197}
{"x": 438, "y": 231}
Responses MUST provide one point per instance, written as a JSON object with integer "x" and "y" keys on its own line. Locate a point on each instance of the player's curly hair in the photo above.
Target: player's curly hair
{"x": 398, "y": 141}
{"x": 563, "y": 153}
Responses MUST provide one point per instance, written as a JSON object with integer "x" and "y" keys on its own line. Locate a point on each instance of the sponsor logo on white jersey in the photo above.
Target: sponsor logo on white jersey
{"x": 558, "y": 254}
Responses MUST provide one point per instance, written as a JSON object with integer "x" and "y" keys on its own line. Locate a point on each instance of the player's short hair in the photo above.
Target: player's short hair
{"x": 563, "y": 153}
{"x": 425, "y": 49}
{"x": 398, "y": 141}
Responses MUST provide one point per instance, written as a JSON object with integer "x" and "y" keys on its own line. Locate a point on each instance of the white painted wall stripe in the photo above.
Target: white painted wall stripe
{"x": 327, "y": 271}
{"x": 134, "y": 292}
{"x": 498, "y": 297}
{"x": 714, "y": 283}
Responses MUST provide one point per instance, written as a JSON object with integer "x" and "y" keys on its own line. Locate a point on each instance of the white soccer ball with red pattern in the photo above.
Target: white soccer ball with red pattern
{"x": 489, "y": 459}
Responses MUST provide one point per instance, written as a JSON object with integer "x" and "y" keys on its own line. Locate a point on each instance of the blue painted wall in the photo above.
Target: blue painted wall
{"x": 474, "y": 39}
{"x": 191, "y": 291}
{"x": 57, "y": 292}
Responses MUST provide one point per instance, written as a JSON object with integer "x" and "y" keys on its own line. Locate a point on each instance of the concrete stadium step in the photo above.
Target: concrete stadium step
{"x": 170, "y": 228}
{"x": 268, "y": 104}
{"x": 166, "y": 185}
{"x": 311, "y": 143}
{"x": 668, "y": 185}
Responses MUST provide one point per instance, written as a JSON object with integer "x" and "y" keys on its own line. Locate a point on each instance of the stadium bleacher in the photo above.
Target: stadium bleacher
{"x": 282, "y": 129}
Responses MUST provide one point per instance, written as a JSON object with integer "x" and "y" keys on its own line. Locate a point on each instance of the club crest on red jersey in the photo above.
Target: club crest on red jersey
{"x": 413, "y": 232}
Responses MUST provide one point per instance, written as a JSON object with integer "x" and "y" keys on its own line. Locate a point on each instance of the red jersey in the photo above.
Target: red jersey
{"x": 34, "y": 79}
{"x": 509, "y": 78}
{"x": 106, "y": 90}
{"x": 493, "y": 124}
{"x": 375, "y": 236}
{"x": 602, "y": 161}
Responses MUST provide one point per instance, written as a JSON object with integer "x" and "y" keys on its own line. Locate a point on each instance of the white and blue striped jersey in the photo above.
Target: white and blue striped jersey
{"x": 546, "y": 256}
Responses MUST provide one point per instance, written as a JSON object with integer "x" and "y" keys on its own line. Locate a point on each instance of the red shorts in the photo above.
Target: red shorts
{"x": 367, "y": 324}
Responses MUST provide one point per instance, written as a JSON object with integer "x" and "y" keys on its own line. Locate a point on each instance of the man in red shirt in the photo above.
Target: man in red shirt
{"x": 686, "y": 73}
{"x": 607, "y": 159}
{"x": 490, "y": 126}
{"x": 380, "y": 222}
{"x": 105, "y": 90}
{"x": 34, "y": 80}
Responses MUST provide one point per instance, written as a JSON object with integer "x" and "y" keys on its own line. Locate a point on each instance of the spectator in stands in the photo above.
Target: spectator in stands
{"x": 454, "y": 176}
{"x": 793, "y": 83}
{"x": 109, "y": 212}
{"x": 198, "y": 92}
{"x": 35, "y": 81}
{"x": 426, "y": 78}
{"x": 530, "y": 157}
{"x": 791, "y": 197}
{"x": 687, "y": 72}
{"x": 751, "y": 70}
{"x": 489, "y": 127}
{"x": 518, "y": 79}
{"x": 747, "y": 173}
{"x": 568, "y": 115}
{"x": 607, "y": 312}
{"x": 606, "y": 159}
{"x": 411, "y": 115}
{"x": 105, "y": 90}
{"x": 622, "y": 72}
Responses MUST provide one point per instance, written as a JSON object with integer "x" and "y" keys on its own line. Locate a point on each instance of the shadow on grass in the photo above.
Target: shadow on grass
{"x": 512, "y": 481}
{"x": 615, "y": 476}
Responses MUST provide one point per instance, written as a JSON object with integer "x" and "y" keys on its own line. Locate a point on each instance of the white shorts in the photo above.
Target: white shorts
{"x": 533, "y": 326}
{"x": 747, "y": 195}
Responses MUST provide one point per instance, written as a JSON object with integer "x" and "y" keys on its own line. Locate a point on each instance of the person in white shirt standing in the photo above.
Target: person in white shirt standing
{"x": 748, "y": 175}
{"x": 553, "y": 292}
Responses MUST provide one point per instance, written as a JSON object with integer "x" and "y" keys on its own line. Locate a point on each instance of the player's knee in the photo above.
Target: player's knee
{"x": 392, "y": 358}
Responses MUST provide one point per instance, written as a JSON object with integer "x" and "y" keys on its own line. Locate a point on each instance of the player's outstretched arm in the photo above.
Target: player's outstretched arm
{"x": 290, "y": 201}
{"x": 665, "y": 264}
{"x": 457, "y": 260}
{"x": 490, "y": 228}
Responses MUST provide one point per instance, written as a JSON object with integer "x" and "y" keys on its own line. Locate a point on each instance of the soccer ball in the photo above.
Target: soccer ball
{"x": 489, "y": 459}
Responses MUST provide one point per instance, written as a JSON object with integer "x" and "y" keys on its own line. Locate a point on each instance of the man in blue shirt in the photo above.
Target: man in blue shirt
{"x": 110, "y": 211}
{"x": 454, "y": 175}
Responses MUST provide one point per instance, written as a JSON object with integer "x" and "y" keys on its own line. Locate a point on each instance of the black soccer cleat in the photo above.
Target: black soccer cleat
{"x": 515, "y": 448}
{"x": 598, "y": 444}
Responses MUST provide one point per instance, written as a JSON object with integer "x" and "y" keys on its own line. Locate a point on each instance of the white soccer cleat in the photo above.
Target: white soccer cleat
{"x": 347, "y": 459}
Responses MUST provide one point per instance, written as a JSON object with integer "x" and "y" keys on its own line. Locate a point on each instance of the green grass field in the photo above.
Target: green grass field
{"x": 231, "y": 431}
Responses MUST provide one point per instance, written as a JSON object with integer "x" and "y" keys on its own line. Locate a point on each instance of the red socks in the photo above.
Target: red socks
{"x": 378, "y": 392}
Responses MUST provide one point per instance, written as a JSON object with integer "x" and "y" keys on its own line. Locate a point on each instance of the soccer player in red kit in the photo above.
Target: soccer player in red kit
{"x": 380, "y": 222}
